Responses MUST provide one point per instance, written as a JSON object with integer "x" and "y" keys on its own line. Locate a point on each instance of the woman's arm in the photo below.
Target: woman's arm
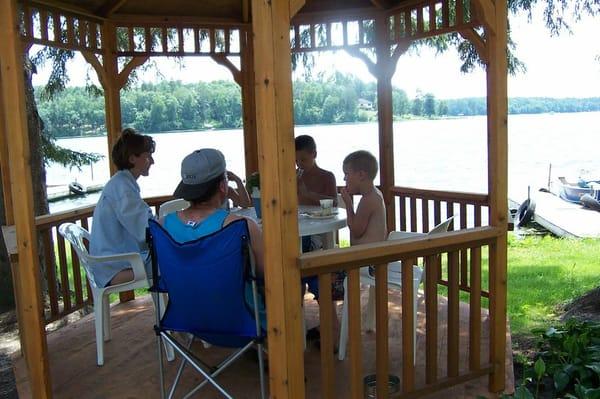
{"x": 238, "y": 195}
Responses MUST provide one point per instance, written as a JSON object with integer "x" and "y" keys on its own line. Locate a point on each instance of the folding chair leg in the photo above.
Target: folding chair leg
{"x": 344, "y": 325}
{"x": 261, "y": 370}
{"x": 106, "y": 316}
{"x": 187, "y": 356}
{"x": 99, "y": 325}
{"x": 160, "y": 367}
{"x": 370, "y": 317}
{"x": 181, "y": 365}
{"x": 162, "y": 304}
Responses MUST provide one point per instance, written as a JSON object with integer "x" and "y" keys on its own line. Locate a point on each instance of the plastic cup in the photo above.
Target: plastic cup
{"x": 326, "y": 206}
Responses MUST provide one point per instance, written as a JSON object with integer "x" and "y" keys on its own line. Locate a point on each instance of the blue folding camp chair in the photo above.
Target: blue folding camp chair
{"x": 213, "y": 296}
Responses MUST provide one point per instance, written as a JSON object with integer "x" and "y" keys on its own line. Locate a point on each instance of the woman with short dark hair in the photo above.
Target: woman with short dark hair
{"x": 121, "y": 215}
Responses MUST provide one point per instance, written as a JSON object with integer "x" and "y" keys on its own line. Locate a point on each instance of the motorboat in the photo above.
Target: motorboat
{"x": 573, "y": 192}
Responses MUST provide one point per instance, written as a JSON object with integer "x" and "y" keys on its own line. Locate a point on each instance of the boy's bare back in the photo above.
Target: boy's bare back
{"x": 369, "y": 224}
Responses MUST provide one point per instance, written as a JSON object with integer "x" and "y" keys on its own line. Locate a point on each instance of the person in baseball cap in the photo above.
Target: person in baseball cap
{"x": 201, "y": 173}
{"x": 204, "y": 184}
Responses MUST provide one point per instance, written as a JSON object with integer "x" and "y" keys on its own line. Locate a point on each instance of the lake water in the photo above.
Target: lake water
{"x": 447, "y": 154}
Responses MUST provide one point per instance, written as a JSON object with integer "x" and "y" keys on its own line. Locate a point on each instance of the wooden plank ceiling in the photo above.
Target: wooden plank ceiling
{"x": 224, "y": 10}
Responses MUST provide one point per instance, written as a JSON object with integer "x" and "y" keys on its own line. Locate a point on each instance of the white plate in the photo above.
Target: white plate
{"x": 319, "y": 216}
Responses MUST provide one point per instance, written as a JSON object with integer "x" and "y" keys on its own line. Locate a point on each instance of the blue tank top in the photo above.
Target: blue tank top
{"x": 183, "y": 232}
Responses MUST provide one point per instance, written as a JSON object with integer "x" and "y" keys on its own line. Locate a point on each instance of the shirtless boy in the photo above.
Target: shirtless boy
{"x": 368, "y": 222}
{"x": 314, "y": 183}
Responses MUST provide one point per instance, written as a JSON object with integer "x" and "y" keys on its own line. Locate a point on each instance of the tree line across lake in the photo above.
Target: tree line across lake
{"x": 172, "y": 105}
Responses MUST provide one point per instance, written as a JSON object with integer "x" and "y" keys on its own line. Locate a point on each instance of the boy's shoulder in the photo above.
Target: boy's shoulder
{"x": 373, "y": 198}
{"x": 324, "y": 172}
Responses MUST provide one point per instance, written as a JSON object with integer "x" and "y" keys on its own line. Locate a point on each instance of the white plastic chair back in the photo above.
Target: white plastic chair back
{"x": 76, "y": 235}
{"x": 175, "y": 205}
{"x": 442, "y": 227}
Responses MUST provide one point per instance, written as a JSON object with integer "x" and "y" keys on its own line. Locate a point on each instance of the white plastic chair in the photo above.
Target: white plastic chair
{"x": 175, "y": 205}
{"x": 394, "y": 281}
{"x": 76, "y": 236}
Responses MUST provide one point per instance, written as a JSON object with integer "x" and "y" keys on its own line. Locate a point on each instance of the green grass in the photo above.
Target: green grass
{"x": 544, "y": 273}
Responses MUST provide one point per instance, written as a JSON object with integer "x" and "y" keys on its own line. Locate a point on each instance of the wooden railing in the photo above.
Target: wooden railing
{"x": 68, "y": 289}
{"x": 443, "y": 248}
{"x": 419, "y": 210}
{"x": 452, "y": 261}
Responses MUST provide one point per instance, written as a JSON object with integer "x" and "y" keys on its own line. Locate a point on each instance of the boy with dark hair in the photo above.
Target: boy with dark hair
{"x": 314, "y": 183}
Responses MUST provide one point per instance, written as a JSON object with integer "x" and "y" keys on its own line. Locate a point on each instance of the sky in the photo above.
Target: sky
{"x": 563, "y": 66}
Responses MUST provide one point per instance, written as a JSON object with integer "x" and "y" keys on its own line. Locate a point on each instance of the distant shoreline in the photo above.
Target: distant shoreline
{"x": 412, "y": 118}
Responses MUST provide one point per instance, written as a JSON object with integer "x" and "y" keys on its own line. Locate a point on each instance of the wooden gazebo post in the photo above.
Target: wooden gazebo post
{"x": 112, "y": 82}
{"x": 13, "y": 88}
{"x": 112, "y": 89}
{"x": 271, "y": 26}
{"x": 249, "y": 103}
{"x": 497, "y": 104}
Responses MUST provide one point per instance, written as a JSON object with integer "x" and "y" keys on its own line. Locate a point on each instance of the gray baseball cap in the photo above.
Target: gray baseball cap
{"x": 197, "y": 169}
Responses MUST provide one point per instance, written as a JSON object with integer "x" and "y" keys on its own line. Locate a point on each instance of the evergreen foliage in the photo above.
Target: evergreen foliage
{"x": 172, "y": 105}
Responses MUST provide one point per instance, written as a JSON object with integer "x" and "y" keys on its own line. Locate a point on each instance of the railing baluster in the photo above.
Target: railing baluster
{"x": 475, "y": 311}
{"x": 437, "y": 211}
{"x": 402, "y": 211}
{"x": 64, "y": 277}
{"x": 459, "y": 12}
{"x": 43, "y": 25}
{"x": 50, "y": 272}
{"x": 425, "y": 215}
{"x": 453, "y": 315}
{"x": 432, "y": 19}
{"x": 354, "y": 330}
{"x": 477, "y": 212}
{"x": 413, "y": 213}
{"x": 408, "y": 326}
{"x": 431, "y": 317}
{"x": 71, "y": 31}
{"x": 445, "y": 13}
{"x": 381, "y": 334}
{"x": 326, "y": 326}
{"x": 464, "y": 273}
{"x": 180, "y": 40}
{"x": 450, "y": 212}
{"x": 419, "y": 19}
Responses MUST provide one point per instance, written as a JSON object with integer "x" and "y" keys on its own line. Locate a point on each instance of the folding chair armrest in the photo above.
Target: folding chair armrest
{"x": 133, "y": 258}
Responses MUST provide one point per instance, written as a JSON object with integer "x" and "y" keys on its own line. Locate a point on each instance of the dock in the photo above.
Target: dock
{"x": 57, "y": 193}
{"x": 563, "y": 218}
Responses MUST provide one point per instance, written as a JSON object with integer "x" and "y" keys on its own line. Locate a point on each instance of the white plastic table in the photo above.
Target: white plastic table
{"x": 309, "y": 225}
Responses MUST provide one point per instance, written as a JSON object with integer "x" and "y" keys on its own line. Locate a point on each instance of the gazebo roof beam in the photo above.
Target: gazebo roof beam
{"x": 141, "y": 20}
{"x": 58, "y": 5}
{"x": 335, "y": 16}
{"x": 108, "y": 8}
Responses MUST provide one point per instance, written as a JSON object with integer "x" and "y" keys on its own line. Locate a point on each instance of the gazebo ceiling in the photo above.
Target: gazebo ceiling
{"x": 229, "y": 10}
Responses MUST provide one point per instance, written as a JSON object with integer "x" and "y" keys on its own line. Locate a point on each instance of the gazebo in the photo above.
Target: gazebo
{"x": 116, "y": 36}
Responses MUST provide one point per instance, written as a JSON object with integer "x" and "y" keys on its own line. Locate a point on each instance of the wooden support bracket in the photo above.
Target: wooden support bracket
{"x": 295, "y": 6}
{"x": 109, "y": 7}
{"x": 131, "y": 65}
{"x": 95, "y": 63}
{"x": 371, "y": 66}
{"x": 222, "y": 59}
{"x": 477, "y": 42}
{"x": 485, "y": 10}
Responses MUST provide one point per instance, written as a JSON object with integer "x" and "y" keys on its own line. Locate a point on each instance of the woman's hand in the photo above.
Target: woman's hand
{"x": 235, "y": 178}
